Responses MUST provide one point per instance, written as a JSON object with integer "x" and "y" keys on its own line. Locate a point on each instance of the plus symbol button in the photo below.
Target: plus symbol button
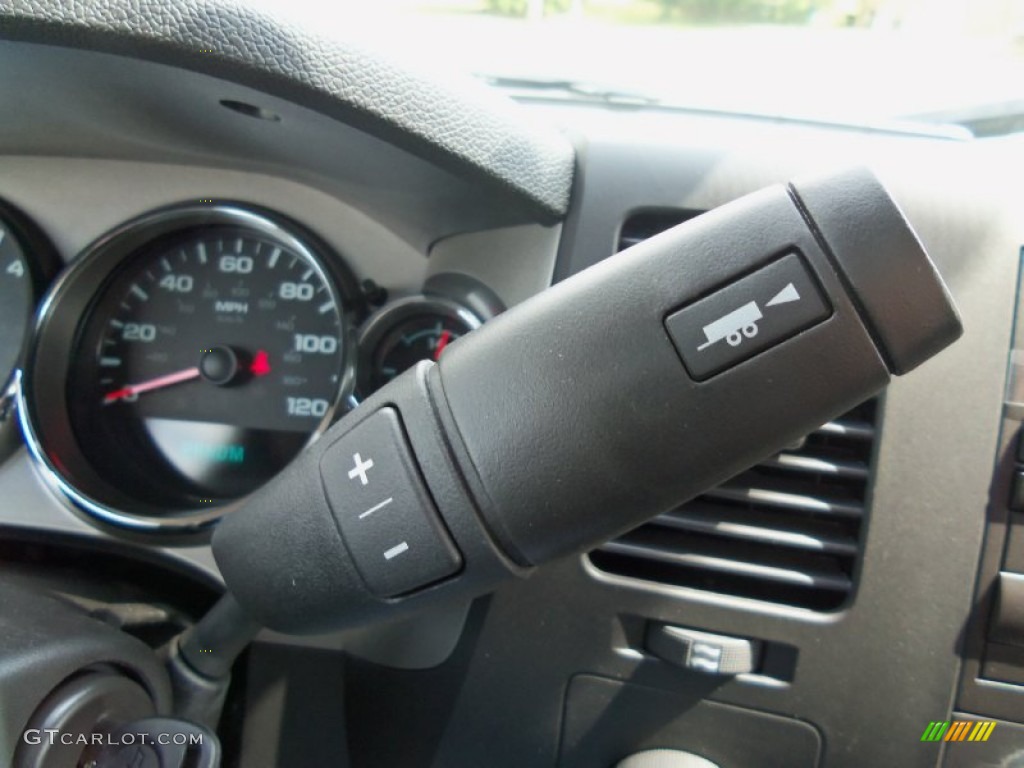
{"x": 360, "y": 469}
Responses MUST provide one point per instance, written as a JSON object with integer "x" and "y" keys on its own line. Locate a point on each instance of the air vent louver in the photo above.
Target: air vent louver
{"x": 786, "y": 531}
{"x": 648, "y": 223}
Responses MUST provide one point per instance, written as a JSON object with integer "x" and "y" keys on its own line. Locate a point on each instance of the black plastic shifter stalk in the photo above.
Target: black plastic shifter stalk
{"x": 608, "y": 399}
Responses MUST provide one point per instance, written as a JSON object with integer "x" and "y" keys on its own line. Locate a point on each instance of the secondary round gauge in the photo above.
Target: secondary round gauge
{"x": 17, "y": 297}
{"x": 24, "y": 253}
{"x": 406, "y": 332}
{"x": 217, "y": 346}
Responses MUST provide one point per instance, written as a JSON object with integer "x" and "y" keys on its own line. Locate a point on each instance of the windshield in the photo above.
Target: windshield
{"x": 851, "y": 61}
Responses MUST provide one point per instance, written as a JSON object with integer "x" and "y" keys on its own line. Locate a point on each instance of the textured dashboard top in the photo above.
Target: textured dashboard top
{"x": 456, "y": 123}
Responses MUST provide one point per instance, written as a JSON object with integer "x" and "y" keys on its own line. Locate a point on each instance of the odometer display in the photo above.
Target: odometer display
{"x": 207, "y": 361}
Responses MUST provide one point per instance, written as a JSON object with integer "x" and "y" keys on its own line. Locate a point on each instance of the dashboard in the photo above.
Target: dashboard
{"x": 206, "y": 260}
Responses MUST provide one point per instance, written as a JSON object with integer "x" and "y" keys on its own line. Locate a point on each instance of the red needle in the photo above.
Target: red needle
{"x": 146, "y": 386}
{"x": 442, "y": 342}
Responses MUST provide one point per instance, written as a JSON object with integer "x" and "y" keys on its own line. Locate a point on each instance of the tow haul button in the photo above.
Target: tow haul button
{"x": 747, "y": 317}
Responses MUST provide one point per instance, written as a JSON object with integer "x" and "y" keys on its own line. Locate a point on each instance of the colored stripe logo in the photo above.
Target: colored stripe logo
{"x": 959, "y": 730}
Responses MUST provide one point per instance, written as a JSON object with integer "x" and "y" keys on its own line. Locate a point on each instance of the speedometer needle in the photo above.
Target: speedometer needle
{"x": 146, "y": 386}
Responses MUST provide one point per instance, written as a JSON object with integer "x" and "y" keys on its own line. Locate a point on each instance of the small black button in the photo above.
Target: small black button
{"x": 1016, "y": 502}
{"x": 747, "y": 317}
{"x": 385, "y": 514}
{"x": 1008, "y": 615}
{"x": 703, "y": 651}
{"x": 1013, "y": 558}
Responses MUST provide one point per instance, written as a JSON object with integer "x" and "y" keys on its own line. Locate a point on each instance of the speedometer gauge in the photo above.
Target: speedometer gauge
{"x": 207, "y": 363}
{"x": 214, "y": 350}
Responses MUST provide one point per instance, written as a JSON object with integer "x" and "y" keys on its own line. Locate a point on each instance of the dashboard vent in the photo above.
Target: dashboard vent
{"x": 786, "y": 531}
{"x": 644, "y": 224}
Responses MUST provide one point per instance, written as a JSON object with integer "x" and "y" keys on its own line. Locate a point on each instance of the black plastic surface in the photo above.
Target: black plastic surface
{"x": 43, "y": 643}
{"x": 1004, "y": 664}
{"x": 282, "y": 554}
{"x": 296, "y": 709}
{"x": 1008, "y": 617}
{"x": 387, "y": 518}
{"x": 881, "y": 258}
{"x": 92, "y": 701}
{"x": 211, "y": 646}
{"x": 157, "y": 742}
{"x": 1014, "y": 556}
{"x": 567, "y": 420}
{"x": 1004, "y": 747}
{"x": 1016, "y": 502}
{"x": 607, "y": 720}
{"x": 746, "y": 317}
{"x": 991, "y": 675}
{"x": 934, "y": 463}
{"x": 574, "y": 410}
{"x": 202, "y": 749}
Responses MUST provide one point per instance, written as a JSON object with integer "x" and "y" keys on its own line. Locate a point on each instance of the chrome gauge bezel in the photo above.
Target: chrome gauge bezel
{"x": 40, "y": 263}
{"x": 43, "y": 399}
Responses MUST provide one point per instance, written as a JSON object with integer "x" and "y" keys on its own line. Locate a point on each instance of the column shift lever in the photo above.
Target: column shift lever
{"x": 612, "y": 397}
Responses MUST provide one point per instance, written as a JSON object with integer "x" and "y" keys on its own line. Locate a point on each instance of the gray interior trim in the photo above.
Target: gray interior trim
{"x": 31, "y": 505}
{"x": 516, "y": 262}
{"x": 75, "y": 200}
{"x": 93, "y": 107}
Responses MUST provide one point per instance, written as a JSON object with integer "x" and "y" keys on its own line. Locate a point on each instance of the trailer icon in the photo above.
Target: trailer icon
{"x": 733, "y": 326}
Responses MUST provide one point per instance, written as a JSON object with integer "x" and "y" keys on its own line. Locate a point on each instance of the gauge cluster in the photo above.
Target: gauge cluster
{"x": 185, "y": 358}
